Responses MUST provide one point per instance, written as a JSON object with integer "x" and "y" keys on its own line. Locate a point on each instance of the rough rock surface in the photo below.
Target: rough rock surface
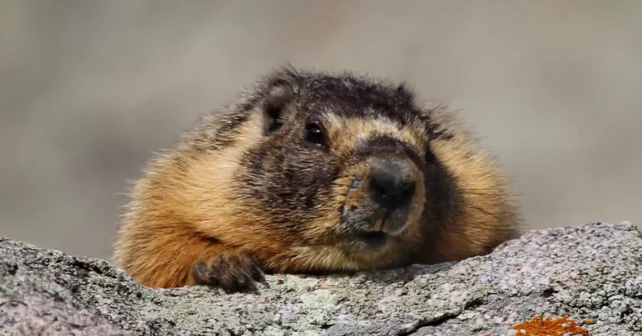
{"x": 589, "y": 272}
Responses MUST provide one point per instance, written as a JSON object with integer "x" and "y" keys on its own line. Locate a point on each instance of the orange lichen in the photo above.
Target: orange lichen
{"x": 549, "y": 326}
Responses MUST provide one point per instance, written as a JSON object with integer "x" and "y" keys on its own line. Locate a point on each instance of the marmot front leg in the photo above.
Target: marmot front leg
{"x": 185, "y": 259}
{"x": 232, "y": 270}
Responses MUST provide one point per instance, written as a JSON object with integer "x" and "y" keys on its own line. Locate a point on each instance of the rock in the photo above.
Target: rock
{"x": 592, "y": 272}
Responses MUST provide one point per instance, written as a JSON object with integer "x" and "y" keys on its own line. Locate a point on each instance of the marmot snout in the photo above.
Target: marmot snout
{"x": 381, "y": 203}
{"x": 313, "y": 172}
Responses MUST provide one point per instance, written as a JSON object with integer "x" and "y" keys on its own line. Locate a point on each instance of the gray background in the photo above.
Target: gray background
{"x": 89, "y": 88}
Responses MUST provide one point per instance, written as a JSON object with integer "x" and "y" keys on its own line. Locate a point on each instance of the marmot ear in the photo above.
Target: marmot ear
{"x": 276, "y": 105}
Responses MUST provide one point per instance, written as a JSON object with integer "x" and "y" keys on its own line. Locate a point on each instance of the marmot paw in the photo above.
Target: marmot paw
{"x": 231, "y": 271}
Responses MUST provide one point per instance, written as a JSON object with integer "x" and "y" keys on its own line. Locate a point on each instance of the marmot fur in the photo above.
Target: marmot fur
{"x": 313, "y": 172}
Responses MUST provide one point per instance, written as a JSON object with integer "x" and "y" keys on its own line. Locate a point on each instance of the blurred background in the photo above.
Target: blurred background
{"x": 88, "y": 89}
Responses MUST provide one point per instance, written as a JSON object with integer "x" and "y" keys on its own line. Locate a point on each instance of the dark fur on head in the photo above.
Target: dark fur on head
{"x": 311, "y": 171}
{"x": 302, "y": 183}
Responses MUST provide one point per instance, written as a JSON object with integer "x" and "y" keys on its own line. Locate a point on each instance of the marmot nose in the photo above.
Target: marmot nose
{"x": 392, "y": 184}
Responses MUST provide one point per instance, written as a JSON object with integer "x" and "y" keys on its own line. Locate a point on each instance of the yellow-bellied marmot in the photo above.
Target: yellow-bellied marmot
{"x": 313, "y": 172}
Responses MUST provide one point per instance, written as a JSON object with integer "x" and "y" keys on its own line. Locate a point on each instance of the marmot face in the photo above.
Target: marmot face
{"x": 342, "y": 162}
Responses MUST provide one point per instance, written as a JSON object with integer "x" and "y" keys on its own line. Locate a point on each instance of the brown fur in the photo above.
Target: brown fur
{"x": 205, "y": 214}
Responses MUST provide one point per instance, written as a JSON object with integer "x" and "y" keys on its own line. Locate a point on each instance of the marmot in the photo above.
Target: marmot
{"x": 313, "y": 172}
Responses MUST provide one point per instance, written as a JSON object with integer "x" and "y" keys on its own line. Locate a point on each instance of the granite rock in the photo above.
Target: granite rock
{"x": 592, "y": 272}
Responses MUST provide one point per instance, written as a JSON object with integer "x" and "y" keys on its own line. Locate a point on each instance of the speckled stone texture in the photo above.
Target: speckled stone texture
{"x": 588, "y": 272}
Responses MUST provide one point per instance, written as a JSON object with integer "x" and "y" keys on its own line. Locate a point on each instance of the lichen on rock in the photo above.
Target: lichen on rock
{"x": 592, "y": 272}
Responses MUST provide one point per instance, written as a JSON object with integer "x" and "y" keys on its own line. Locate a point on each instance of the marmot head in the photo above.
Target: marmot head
{"x": 328, "y": 160}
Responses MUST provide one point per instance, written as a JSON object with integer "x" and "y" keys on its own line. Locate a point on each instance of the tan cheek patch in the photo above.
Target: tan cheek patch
{"x": 355, "y": 200}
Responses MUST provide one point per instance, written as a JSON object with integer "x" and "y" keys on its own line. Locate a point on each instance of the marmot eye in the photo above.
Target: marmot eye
{"x": 314, "y": 134}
